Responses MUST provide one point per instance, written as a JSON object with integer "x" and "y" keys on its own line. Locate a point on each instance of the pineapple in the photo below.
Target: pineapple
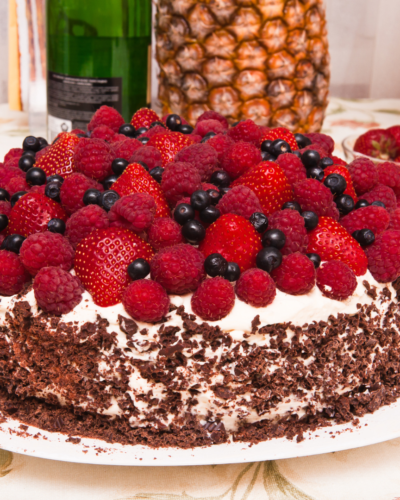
{"x": 266, "y": 60}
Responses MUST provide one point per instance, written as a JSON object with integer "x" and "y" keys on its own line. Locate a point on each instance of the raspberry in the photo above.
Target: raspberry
{"x": 296, "y": 274}
{"x": 195, "y": 138}
{"x": 394, "y": 220}
{"x": 146, "y": 300}
{"x": 77, "y": 131}
{"x": 205, "y": 126}
{"x": 336, "y": 280}
{"x": 44, "y": 250}
{"x": 125, "y": 149}
{"x": 293, "y": 167}
{"x": 5, "y": 207}
{"x": 169, "y": 143}
{"x": 374, "y": 218}
{"x": 38, "y": 189}
{"x": 240, "y": 200}
{"x": 256, "y": 287}
{"x": 291, "y": 223}
{"x": 221, "y": 144}
{"x": 158, "y": 129}
{"x": 214, "y": 299}
{"x": 12, "y": 162}
{"x": 213, "y": 115}
{"x": 384, "y": 257}
{"x": 315, "y": 147}
{"x": 84, "y": 221}
{"x": 314, "y": 196}
{"x": 246, "y": 131}
{"x": 93, "y": 157}
{"x": 180, "y": 179}
{"x": 13, "y": 275}
{"x": 135, "y": 211}
{"x": 17, "y": 184}
{"x": 364, "y": 175}
{"x": 57, "y": 291}
{"x": 13, "y": 153}
{"x": 333, "y": 212}
{"x": 179, "y": 269}
{"x": 8, "y": 173}
{"x": 148, "y": 155}
{"x": 321, "y": 140}
{"x": 202, "y": 156}
{"x": 119, "y": 138}
{"x": 73, "y": 189}
{"x": 240, "y": 158}
{"x": 384, "y": 194}
{"x": 389, "y": 175}
{"x": 106, "y": 116}
{"x": 102, "y": 132}
{"x": 205, "y": 186}
{"x": 164, "y": 232}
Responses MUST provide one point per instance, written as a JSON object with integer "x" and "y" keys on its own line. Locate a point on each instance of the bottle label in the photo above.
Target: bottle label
{"x": 71, "y": 101}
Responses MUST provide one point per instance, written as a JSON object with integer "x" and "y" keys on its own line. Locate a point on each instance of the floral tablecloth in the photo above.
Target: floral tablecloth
{"x": 369, "y": 473}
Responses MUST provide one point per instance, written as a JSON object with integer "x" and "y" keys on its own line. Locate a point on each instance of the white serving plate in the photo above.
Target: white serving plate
{"x": 374, "y": 428}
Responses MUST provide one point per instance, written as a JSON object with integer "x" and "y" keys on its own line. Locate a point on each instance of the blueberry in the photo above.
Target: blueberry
{"x": 214, "y": 196}
{"x": 361, "y": 204}
{"x": 26, "y": 162}
{"x": 310, "y": 158}
{"x": 310, "y": 219}
{"x": 344, "y": 203}
{"x": 31, "y": 144}
{"x": 259, "y": 221}
{"x": 173, "y": 121}
{"x": 3, "y": 222}
{"x": 236, "y": 123}
{"x": 16, "y": 196}
{"x": 297, "y": 153}
{"x": 193, "y": 231}
{"x": 200, "y": 200}
{"x": 140, "y": 131}
{"x": 378, "y": 204}
{"x": 127, "y": 129}
{"x": 267, "y": 156}
{"x": 144, "y": 139}
{"x": 266, "y": 146}
{"x": 315, "y": 259}
{"x": 109, "y": 181}
{"x": 119, "y": 165}
{"x": 184, "y": 128}
{"x": 92, "y": 197}
{"x": 138, "y": 269}
{"x": 210, "y": 214}
{"x": 268, "y": 259}
{"x": 302, "y": 140}
{"x": 183, "y": 213}
{"x": 13, "y": 243}
{"x": 279, "y": 147}
{"x": 36, "y": 176}
{"x": 157, "y": 123}
{"x": 215, "y": 265}
{"x": 292, "y": 205}
{"x": 29, "y": 153}
{"x": 336, "y": 183}
{"x": 42, "y": 142}
{"x": 315, "y": 173}
{"x": 232, "y": 272}
{"x": 4, "y": 195}
{"x": 56, "y": 226}
{"x": 224, "y": 190}
{"x": 108, "y": 199}
{"x": 364, "y": 237}
{"x": 52, "y": 191}
{"x": 208, "y": 136}
{"x": 274, "y": 238}
{"x": 326, "y": 162}
{"x": 144, "y": 165}
{"x": 156, "y": 173}
{"x": 220, "y": 178}
{"x": 55, "y": 178}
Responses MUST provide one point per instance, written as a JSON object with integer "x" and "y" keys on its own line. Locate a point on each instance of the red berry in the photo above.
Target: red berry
{"x": 84, "y": 221}
{"x": 158, "y": 129}
{"x": 38, "y": 189}
{"x": 125, "y": 149}
{"x": 315, "y": 147}
{"x": 8, "y": 173}
{"x": 246, "y": 131}
{"x": 17, "y": 184}
{"x": 144, "y": 117}
{"x": 13, "y": 153}
{"x": 46, "y": 249}
{"x": 179, "y": 269}
{"x": 135, "y": 211}
{"x": 384, "y": 257}
{"x": 395, "y": 133}
{"x": 296, "y": 274}
{"x": 374, "y": 218}
{"x": 164, "y": 232}
{"x": 378, "y": 143}
{"x": 213, "y": 115}
{"x": 214, "y": 299}
{"x": 321, "y": 140}
{"x": 169, "y": 144}
{"x": 240, "y": 158}
{"x": 395, "y": 220}
{"x": 382, "y": 193}
{"x": 57, "y": 291}
{"x": 202, "y": 156}
{"x": 293, "y": 168}
{"x": 59, "y": 158}
{"x": 103, "y": 132}
{"x": 180, "y": 180}
{"x": 343, "y": 171}
{"x": 148, "y": 155}
{"x": 73, "y": 189}
{"x": 93, "y": 157}
{"x": 256, "y": 287}
{"x": 221, "y": 144}
{"x": 5, "y": 207}
{"x": 313, "y": 196}
{"x": 13, "y": 275}
{"x": 146, "y": 300}
{"x": 280, "y": 133}
{"x": 364, "y": 175}
{"x": 106, "y": 115}
{"x": 291, "y": 223}
{"x": 204, "y": 127}
{"x": 336, "y": 280}
{"x": 389, "y": 175}
{"x": 240, "y": 200}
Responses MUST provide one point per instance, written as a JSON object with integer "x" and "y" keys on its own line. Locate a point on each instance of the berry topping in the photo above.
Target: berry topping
{"x": 384, "y": 257}
{"x": 293, "y": 167}
{"x": 377, "y": 143}
{"x": 321, "y": 140}
{"x": 138, "y": 269}
{"x": 221, "y": 144}
{"x": 371, "y": 217}
{"x": 59, "y": 158}
{"x": 280, "y": 133}
{"x": 215, "y": 265}
{"x": 336, "y": 280}
{"x": 13, "y": 275}
{"x": 126, "y": 148}
{"x": 193, "y": 231}
{"x": 389, "y": 175}
{"x": 256, "y": 287}
{"x": 383, "y": 194}
{"x": 246, "y": 131}
{"x": 364, "y": 175}
{"x": 180, "y": 180}
{"x": 144, "y": 117}
{"x": 269, "y": 258}
{"x": 84, "y": 221}
{"x": 148, "y": 155}
{"x": 296, "y": 274}
{"x": 292, "y": 225}
{"x": 259, "y": 221}
{"x": 73, "y": 190}
{"x": 315, "y": 259}
{"x": 202, "y": 156}
{"x": 93, "y": 157}
{"x": 106, "y": 115}
{"x": 313, "y": 196}
{"x": 164, "y": 232}
{"x": 240, "y": 158}
{"x": 146, "y": 300}
{"x": 169, "y": 144}
{"x": 214, "y": 299}
{"x": 364, "y": 237}
{"x": 240, "y": 200}
{"x": 134, "y": 211}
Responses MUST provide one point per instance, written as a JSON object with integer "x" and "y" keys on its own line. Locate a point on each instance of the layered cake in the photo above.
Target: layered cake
{"x": 176, "y": 286}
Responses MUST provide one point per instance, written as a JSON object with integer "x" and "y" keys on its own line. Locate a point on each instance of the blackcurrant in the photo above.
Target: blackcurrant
{"x": 315, "y": 173}
{"x": 52, "y": 191}
{"x": 138, "y": 269}
{"x": 144, "y": 139}
{"x": 207, "y": 137}
{"x": 210, "y": 214}
{"x": 259, "y": 221}
{"x": 127, "y": 129}
{"x": 193, "y": 231}
{"x": 108, "y": 199}
{"x": 361, "y": 204}
{"x": 232, "y": 272}
{"x": 279, "y": 147}
{"x": 144, "y": 165}
{"x": 3, "y": 222}
{"x": 291, "y": 205}
{"x": 266, "y": 146}
{"x": 326, "y": 162}
{"x": 13, "y": 243}
{"x": 157, "y": 173}
{"x": 109, "y": 181}
{"x": 55, "y": 178}
{"x": 184, "y": 128}
{"x": 29, "y": 153}
{"x": 364, "y": 237}
{"x": 224, "y": 190}
{"x": 267, "y": 156}
{"x": 183, "y": 213}
{"x": 36, "y": 176}
{"x": 119, "y": 165}
{"x": 274, "y": 238}
{"x": 42, "y": 142}
{"x": 92, "y": 197}
{"x": 140, "y": 131}
{"x": 220, "y": 178}
{"x": 310, "y": 158}
{"x": 200, "y": 200}
{"x": 315, "y": 259}
{"x": 302, "y": 140}
{"x": 16, "y": 196}
{"x": 215, "y": 265}
{"x": 173, "y": 121}
{"x": 344, "y": 203}
{"x": 157, "y": 123}
{"x": 26, "y": 162}
{"x": 31, "y": 143}
{"x": 310, "y": 219}
{"x": 56, "y": 226}
{"x": 4, "y": 195}
{"x": 336, "y": 183}
{"x": 378, "y": 204}
{"x": 214, "y": 196}
{"x": 268, "y": 259}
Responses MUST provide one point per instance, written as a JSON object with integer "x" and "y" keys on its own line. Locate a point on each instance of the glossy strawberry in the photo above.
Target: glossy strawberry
{"x": 102, "y": 259}
{"x": 269, "y": 183}
{"x": 136, "y": 179}
{"x": 144, "y": 117}
{"x": 344, "y": 172}
{"x": 58, "y": 159}
{"x": 235, "y": 238}
{"x": 395, "y": 133}
{"x": 280, "y": 133}
{"x": 331, "y": 241}
{"x": 169, "y": 144}
{"x": 378, "y": 143}
{"x": 32, "y": 213}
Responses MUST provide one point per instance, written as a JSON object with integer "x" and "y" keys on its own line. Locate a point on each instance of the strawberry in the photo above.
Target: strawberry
{"x": 235, "y": 238}
{"x": 144, "y": 117}
{"x": 378, "y": 143}
{"x": 280, "y": 133}
{"x": 59, "y": 157}
{"x": 32, "y": 213}
{"x": 269, "y": 183}
{"x": 395, "y": 133}
{"x": 331, "y": 241}
{"x": 102, "y": 259}
{"x": 343, "y": 171}
{"x": 337, "y": 160}
{"x": 136, "y": 179}
{"x": 169, "y": 144}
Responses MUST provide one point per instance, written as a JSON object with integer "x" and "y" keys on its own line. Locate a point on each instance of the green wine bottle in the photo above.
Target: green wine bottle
{"x": 98, "y": 53}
